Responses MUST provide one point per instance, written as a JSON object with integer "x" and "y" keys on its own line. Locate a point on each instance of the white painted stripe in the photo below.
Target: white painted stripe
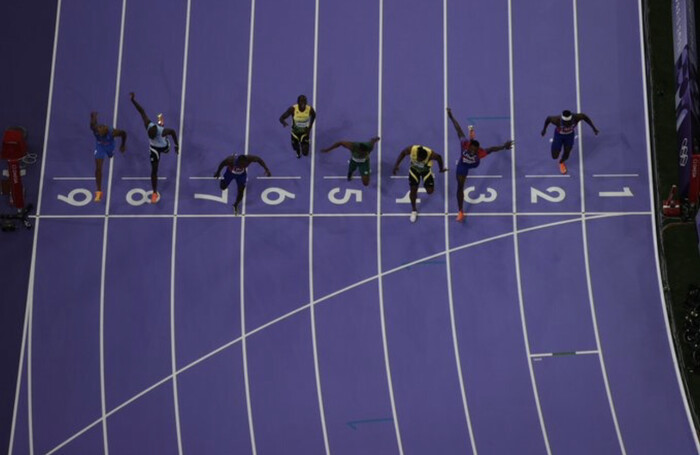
{"x": 380, "y": 281}
{"x": 146, "y": 178}
{"x": 552, "y": 354}
{"x": 312, "y": 308}
{"x": 326, "y": 297}
{"x": 241, "y": 283}
{"x": 516, "y": 247}
{"x": 339, "y": 215}
{"x": 589, "y": 283}
{"x": 27, "y": 336}
{"x": 547, "y": 176}
{"x": 105, "y": 233}
{"x": 290, "y": 177}
{"x": 614, "y": 175}
{"x": 335, "y": 177}
{"x": 173, "y": 251}
{"x": 448, "y": 258}
{"x": 485, "y": 176}
{"x": 72, "y": 178}
{"x": 203, "y": 178}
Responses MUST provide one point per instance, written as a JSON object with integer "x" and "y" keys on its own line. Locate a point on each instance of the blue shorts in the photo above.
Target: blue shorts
{"x": 230, "y": 176}
{"x": 463, "y": 168}
{"x": 101, "y": 154}
{"x": 567, "y": 140}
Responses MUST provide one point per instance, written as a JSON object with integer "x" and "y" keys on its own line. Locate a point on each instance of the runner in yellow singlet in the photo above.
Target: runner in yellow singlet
{"x": 303, "y": 117}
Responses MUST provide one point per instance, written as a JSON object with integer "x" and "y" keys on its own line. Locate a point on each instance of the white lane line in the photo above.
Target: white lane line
{"x": 448, "y": 259}
{"x": 173, "y": 251}
{"x": 547, "y": 176}
{"x": 143, "y": 178}
{"x": 335, "y": 177}
{"x": 203, "y": 178}
{"x": 72, "y": 178}
{"x": 380, "y": 281}
{"x": 29, "y": 309}
{"x": 105, "y": 232}
{"x": 516, "y": 247}
{"x": 338, "y": 215}
{"x": 326, "y": 297}
{"x": 655, "y": 228}
{"x": 589, "y": 281}
{"x": 241, "y": 283}
{"x": 614, "y": 175}
{"x": 312, "y": 308}
{"x": 485, "y": 176}
{"x": 274, "y": 177}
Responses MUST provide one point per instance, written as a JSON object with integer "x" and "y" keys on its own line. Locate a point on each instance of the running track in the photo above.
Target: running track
{"x": 538, "y": 326}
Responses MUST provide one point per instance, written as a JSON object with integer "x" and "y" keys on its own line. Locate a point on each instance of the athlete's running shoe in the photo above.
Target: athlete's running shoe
{"x": 98, "y": 196}
{"x": 235, "y": 209}
{"x": 155, "y": 197}
{"x": 562, "y": 168}
{"x": 414, "y": 216}
{"x": 460, "y": 216}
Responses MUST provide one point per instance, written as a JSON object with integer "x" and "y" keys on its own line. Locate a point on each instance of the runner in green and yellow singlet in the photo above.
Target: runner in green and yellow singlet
{"x": 359, "y": 156}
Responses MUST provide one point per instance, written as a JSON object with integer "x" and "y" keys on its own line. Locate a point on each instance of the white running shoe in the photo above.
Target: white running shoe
{"x": 414, "y": 216}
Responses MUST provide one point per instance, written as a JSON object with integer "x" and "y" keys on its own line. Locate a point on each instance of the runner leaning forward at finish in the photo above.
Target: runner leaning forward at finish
{"x": 236, "y": 169}
{"x": 359, "y": 157}
{"x": 421, "y": 162}
{"x": 158, "y": 143}
{"x": 564, "y": 133}
{"x": 470, "y": 157}
{"x": 104, "y": 147}
{"x": 303, "y": 117}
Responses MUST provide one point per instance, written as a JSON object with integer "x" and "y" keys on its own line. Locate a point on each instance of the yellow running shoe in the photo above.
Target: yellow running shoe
{"x": 98, "y": 196}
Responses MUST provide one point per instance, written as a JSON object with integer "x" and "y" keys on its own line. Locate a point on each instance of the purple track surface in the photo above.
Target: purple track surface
{"x": 535, "y": 327}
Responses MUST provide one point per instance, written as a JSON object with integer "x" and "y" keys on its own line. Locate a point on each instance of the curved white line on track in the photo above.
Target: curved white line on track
{"x": 317, "y": 301}
{"x": 516, "y": 248}
{"x": 27, "y": 330}
{"x": 584, "y": 232}
{"x": 448, "y": 261}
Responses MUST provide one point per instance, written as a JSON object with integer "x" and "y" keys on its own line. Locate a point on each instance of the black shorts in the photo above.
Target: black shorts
{"x": 299, "y": 138}
{"x": 415, "y": 175}
{"x": 156, "y": 151}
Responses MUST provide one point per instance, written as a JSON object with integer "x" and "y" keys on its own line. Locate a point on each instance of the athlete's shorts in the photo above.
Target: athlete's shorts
{"x": 299, "y": 137}
{"x": 363, "y": 166}
{"x": 567, "y": 140}
{"x": 463, "y": 168}
{"x": 101, "y": 154}
{"x": 156, "y": 151}
{"x": 230, "y": 176}
{"x": 416, "y": 174}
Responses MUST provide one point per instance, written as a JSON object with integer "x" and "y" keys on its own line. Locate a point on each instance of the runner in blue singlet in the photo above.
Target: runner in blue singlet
{"x": 104, "y": 147}
{"x": 236, "y": 169}
{"x": 564, "y": 133}
{"x": 158, "y": 143}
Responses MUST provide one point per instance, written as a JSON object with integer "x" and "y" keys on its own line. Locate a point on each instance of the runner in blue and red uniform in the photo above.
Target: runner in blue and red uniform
{"x": 470, "y": 158}
{"x": 104, "y": 148}
{"x": 564, "y": 133}
{"x": 236, "y": 168}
